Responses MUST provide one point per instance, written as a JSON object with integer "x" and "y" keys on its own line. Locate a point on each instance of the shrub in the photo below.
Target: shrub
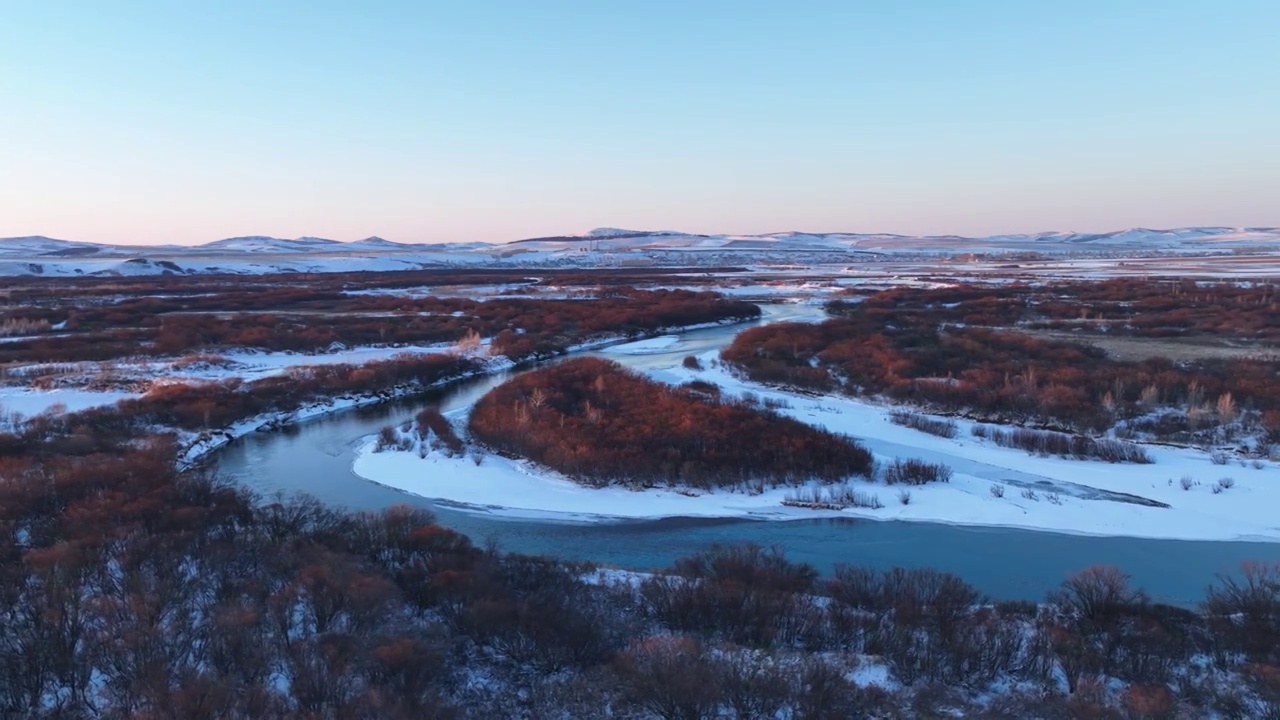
{"x": 387, "y": 438}
{"x": 1097, "y": 593}
{"x": 1186, "y": 482}
{"x": 915, "y": 472}
{"x": 692, "y": 362}
{"x": 934, "y": 426}
{"x": 436, "y": 429}
{"x": 832, "y": 498}
{"x": 1244, "y": 609}
{"x": 997, "y": 490}
{"x": 745, "y": 594}
{"x": 1079, "y": 447}
{"x": 870, "y": 501}
{"x": 904, "y": 497}
{"x": 1218, "y": 457}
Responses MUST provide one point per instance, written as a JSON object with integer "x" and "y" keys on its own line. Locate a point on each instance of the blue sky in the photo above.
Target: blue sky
{"x": 177, "y": 121}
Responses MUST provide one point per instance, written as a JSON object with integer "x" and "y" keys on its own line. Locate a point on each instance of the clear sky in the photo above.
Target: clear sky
{"x": 183, "y": 121}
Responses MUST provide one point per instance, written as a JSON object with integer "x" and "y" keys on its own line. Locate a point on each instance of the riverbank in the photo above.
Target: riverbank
{"x": 1033, "y": 493}
{"x": 195, "y": 449}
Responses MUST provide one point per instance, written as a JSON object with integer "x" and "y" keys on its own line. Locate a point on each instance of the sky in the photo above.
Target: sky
{"x": 175, "y": 121}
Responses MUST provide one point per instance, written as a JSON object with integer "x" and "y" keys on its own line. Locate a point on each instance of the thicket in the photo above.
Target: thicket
{"x": 941, "y": 427}
{"x": 915, "y": 472}
{"x": 129, "y": 590}
{"x": 308, "y": 320}
{"x": 1242, "y": 312}
{"x": 1080, "y": 447}
{"x": 909, "y": 353}
{"x": 600, "y": 424}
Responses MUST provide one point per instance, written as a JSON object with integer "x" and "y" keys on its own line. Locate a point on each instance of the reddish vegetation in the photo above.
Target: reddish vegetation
{"x": 900, "y": 344}
{"x": 595, "y": 421}
{"x": 434, "y": 427}
{"x": 210, "y": 406}
{"x": 1160, "y": 308}
{"x": 312, "y": 320}
{"x": 130, "y": 590}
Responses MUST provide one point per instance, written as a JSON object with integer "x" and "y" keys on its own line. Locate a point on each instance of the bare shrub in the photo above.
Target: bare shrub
{"x": 870, "y": 501}
{"x": 1097, "y": 593}
{"x": 832, "y": 498}
{"x": 1053, "y": 498}
{"x": 1078, "y": 447}
{"x": 692, "y": 362}
{"x": 1218, "y": 457}
{"x": 1225, "y": 483}
{"x": 997, "y": 490}
{"x": 387, "y": 438}
{"x": 743, "y": 594}
{"x": 1245, "y": 610}
{"x": 924, "y": 423}
{"x": 753, "y": 689}
{"x": 904, "y": 497}
{"x": 915, "y": 472}
{"x": 1186, "y": 482}
{"x": 1030, "y": 494}
{"x": 436, "y": 429}
{"x": 669, "y": 677}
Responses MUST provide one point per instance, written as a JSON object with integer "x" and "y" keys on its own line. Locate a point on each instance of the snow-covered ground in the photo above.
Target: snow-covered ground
{"x": 249, "y": 365}
{"x": 607, "y": 247}
{"x": 1039, "y": 493}
{"x": 28, "y": 403}
{"x": 644, "y": 347}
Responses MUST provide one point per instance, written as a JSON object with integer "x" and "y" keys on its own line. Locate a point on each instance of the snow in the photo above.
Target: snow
{"x": 251, "y": 365}
{"x": 644, "y": 347}
{"x": 1071, "y": 496}
{"x": 606, "y": 247}
{"x": 30, "y": 402}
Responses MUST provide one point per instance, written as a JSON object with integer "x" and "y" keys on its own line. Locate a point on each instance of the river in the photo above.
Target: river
{"x": 316, "y": 457}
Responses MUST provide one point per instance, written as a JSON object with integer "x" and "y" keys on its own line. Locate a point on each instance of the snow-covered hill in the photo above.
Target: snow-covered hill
{"x": 38, "y": 255}
{"x": 1177, "y": 239}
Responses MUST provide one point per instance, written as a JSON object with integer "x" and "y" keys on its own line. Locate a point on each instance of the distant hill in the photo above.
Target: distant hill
{"x": 39, "y": 255}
